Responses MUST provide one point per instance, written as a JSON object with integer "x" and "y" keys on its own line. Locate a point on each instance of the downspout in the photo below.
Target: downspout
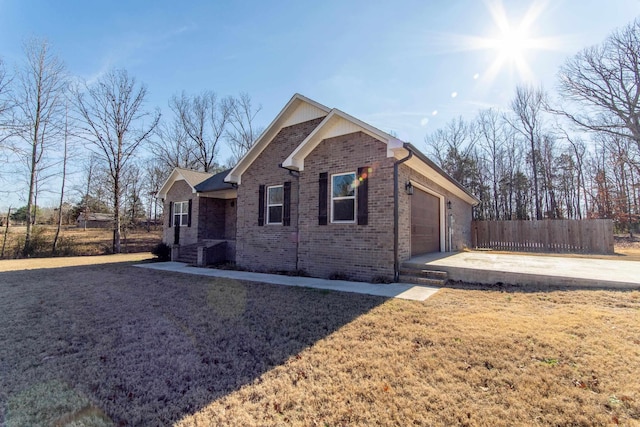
{"x": 296, "y": 174}
{"x": 396, "y": 214}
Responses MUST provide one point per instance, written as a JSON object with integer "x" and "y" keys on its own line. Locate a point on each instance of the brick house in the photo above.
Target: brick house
{"x": 321, "y": 192}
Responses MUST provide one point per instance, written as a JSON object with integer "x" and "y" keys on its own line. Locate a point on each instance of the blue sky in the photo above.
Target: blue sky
{"x": 402, "y": 66}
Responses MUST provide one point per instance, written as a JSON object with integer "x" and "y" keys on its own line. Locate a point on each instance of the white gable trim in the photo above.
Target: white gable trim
{"x": 337, "y": 123}
{"x": 303, "y": 113}
{"x": 299, "y": 109}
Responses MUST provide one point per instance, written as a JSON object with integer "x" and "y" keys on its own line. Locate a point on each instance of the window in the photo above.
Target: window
{"x": 343, "y": 197}
{"x": 180, "y": 214}
{"x": 275, "y": 201}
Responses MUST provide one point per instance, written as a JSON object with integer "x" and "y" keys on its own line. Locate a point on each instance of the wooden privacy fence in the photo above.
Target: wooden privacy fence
{"x": 559, "y": 235}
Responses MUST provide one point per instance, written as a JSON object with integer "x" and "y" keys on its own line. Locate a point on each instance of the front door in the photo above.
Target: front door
{"x": 425, "y": 223}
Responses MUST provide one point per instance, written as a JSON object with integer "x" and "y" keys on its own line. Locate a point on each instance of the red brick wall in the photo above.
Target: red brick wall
{"x": 230, "y": 219}
{"x": 269, "y": 247}
{"x": 180, "y": 191}
{"x": 361, "y": 252}
{"x": 461, "y": 212}
{"x": 211, "y": 222}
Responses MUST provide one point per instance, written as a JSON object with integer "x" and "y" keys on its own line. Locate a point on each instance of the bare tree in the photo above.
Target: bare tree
{"x": 5, "y": 101}
{"x": 5, "y": 109}
{"x": 171, "y": 146}
{"x": 155, "y": 176}
{"x": 493, "y": 136}
{"x": 528, "y": 108}
{"x": 606, "y": 80}
{"x": 243, "y": 132}
{"x": 114, "y": 124}
{"x": 39, "y": 101}
{"x": 133, "y": 181}
{"x": 453, "y": 148}
{"x": 578, "y": 152}
{"x": 203, "y": 118}
{"x": 6, "y": 232}
{"x": 64, "y": 178}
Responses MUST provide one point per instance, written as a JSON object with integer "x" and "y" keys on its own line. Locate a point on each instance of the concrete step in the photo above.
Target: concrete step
{"x": 422, "y": 280}
{"x": 421, "y": 272}
{"x": 188, "y": 254}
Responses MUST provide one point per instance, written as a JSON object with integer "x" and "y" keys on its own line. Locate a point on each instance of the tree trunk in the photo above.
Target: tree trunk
{"x": 26, "y": 251}
{"x": 116, "y": 214}
{"x": 64, "y": 177}
{"x": 6, "y": 232}
{"x": 535, "y": 176}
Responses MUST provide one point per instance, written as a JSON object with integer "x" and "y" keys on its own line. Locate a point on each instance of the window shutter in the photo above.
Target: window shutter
{"x": 363, "y": 195}
{"x": 286, "y": 205}
{"x": 189, "y": 215}
{"x": 170, "y": 214}
{"x": 261, "y": 205}
{"x": 323, "y": 182}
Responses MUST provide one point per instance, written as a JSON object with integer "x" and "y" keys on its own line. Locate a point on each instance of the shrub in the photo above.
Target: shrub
{"x": 162, "y": 251}
{"x": 39, "y": 245}
{"x": 381, "y": 280}
{"x": 338, "y": 275}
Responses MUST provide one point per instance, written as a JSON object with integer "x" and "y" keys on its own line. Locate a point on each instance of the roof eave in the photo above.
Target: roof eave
{"x": 235, "y": 176}
{"x": 466, "y": 194}
{"x": 296, "y": 159}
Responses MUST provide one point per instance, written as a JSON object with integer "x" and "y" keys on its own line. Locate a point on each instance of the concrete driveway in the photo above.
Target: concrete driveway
{"x": 491, "y": 268}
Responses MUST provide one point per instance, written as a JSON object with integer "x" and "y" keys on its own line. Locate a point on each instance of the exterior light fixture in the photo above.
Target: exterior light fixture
{"x": 408, "y": 187}
{"x": 449, "y": 205}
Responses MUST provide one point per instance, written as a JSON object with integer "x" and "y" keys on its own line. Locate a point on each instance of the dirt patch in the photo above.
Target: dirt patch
{"x": 126, "y": 346}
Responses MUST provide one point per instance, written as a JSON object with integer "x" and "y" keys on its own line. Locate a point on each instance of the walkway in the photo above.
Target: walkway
{"x": 490, "y": 268}
{"x": 393, "y": 290}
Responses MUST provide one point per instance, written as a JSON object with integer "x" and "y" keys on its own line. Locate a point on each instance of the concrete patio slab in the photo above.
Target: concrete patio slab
{"x": 392, "y": 290}
{"x": 491, "y": 268}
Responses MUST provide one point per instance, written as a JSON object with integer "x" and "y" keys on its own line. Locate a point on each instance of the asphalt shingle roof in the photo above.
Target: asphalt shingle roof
{"x": 216, "y": 182}
{"x": 192, "y": 177}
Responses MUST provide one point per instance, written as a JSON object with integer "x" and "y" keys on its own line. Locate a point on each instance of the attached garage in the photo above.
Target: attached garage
{"x": 425, "y": 223}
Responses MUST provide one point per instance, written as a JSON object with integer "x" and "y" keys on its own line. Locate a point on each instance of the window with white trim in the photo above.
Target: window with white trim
{"x": 275, "y": 202}
{"x": 180, "y": 214}
{"x": 343, "y": 197}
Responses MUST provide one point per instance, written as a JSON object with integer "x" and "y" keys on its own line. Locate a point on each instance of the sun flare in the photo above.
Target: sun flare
{"x": 510, "y": 41}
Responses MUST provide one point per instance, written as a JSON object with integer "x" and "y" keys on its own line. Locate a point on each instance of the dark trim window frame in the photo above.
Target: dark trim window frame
{"x": 181, "y": 214}
{"x": 343, "y": 198}
{"x": 274, "y": 204}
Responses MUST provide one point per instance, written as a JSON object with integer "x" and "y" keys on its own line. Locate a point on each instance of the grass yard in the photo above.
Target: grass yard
{"x": 111, "y": 344}
{"x": 74, "y": 241}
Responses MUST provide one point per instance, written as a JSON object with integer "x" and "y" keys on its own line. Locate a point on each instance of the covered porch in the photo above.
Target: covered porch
{"x": 216, "y": 224}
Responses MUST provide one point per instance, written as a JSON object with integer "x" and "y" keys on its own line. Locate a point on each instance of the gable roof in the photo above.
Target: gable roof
{"x": 191, "y": 177}
{"x": 299, "y": 109}
{"x": 96, "y": 216}
{"x": 429, "y": 168}
{"x": 214, "y": 183}
{"x": 336, "y": 123}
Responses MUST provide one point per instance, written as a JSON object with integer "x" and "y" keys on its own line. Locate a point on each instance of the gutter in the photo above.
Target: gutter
{"x": 396, "y": 227}
{"x": 438, "y": 169}
{"x": 296, "y": 174}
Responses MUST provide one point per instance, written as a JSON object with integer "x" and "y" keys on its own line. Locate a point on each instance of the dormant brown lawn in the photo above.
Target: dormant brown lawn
{"x": 110, "y": 344}
{"x": 78, "y": 241}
